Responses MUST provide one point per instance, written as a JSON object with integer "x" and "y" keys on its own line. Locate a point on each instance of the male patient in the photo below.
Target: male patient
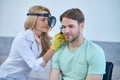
{"x": 78, "y": 58}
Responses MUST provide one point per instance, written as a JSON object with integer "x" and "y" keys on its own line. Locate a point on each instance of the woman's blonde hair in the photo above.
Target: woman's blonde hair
{"x": 30, "y": 24}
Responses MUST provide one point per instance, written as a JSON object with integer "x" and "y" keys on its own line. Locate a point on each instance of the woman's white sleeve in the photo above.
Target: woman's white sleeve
{"x": 37, "y": 66}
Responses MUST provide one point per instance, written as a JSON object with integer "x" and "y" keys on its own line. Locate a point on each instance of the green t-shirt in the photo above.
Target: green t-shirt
{"x": 75, "y": 64}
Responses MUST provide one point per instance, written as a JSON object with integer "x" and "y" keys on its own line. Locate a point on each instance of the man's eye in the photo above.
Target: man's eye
{"x": 71, "y": 26}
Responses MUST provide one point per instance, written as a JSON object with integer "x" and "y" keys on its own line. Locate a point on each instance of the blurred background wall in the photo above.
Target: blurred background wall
{"x": 102, "y": 17}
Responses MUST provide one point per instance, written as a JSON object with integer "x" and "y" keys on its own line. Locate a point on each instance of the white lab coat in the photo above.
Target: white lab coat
{"x": 23, "y": 57}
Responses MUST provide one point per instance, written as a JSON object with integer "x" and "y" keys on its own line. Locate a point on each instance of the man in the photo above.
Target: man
{"x": 78, "y": 58}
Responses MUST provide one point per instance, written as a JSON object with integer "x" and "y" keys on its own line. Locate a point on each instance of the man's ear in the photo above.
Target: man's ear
{"x": 82, "y": 25}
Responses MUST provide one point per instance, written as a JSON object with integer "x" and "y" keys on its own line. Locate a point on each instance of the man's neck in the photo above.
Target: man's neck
{"x": 77, "y": 43}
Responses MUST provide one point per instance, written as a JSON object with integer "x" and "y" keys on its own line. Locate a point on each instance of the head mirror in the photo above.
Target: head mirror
{"x": 51, "y": 21}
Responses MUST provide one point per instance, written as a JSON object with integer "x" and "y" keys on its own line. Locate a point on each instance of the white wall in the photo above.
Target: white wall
{"x": 102, "y": 21}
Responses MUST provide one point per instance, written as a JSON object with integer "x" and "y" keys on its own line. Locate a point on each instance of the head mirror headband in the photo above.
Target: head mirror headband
{"x": 51, "y": 21}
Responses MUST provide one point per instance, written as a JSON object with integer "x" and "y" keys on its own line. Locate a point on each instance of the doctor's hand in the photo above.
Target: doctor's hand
{"x": 57, "y": 41}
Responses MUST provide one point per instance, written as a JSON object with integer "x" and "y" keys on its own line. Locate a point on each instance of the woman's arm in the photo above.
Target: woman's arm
{"x": 48, "y": 55}
{"x": 57, "y": 41}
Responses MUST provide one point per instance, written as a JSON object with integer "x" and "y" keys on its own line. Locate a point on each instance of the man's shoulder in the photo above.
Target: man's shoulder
{"x": 94, "y": 50}
{"x": 93, "y": 47}
{"x": 92, "y": 44}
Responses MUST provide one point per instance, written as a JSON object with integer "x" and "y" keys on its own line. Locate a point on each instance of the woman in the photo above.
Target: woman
{"x": 31, "y": 49}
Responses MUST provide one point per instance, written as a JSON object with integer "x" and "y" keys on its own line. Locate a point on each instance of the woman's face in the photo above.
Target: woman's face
{"x": 42, "y": 23}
